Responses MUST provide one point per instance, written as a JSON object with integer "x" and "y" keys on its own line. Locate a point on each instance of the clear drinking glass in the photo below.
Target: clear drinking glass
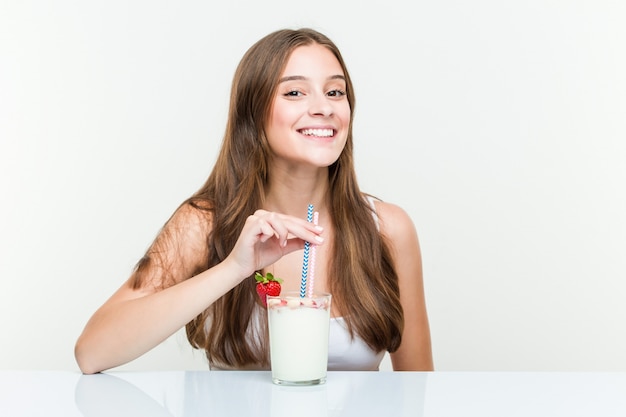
{"x": 298, "y": 329}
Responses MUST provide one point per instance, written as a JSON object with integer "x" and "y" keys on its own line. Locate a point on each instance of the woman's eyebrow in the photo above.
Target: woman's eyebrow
{"x": 303, "y": 78}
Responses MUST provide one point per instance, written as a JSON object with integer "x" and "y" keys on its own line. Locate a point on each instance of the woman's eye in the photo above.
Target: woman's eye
{"x": 336, "y": 93}
{"x": 293, "y": 93}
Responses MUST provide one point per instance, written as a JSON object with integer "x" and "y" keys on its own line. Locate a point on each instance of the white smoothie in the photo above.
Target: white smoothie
{"x": 299, "y": 338}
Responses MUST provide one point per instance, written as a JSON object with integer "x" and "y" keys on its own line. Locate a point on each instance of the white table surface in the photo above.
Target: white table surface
{"x": 346, "y": 394}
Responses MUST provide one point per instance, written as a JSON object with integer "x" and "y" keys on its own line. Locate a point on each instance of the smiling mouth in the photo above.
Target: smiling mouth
{"x": 319, "y": 133}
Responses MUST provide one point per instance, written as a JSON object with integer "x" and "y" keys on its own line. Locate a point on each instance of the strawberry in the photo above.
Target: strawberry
{"x": 267, "y": 285}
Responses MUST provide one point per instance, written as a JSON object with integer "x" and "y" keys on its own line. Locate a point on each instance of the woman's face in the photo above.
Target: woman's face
{"x": 310, "y": 113}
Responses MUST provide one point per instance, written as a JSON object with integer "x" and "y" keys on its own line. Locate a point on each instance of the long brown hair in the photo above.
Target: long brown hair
{"x": 364, "y": 285}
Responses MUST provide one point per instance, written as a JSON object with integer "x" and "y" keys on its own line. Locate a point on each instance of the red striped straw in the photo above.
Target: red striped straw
{"x": 312, "y": 261}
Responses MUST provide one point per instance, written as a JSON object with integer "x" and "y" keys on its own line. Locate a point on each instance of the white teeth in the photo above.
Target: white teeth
{"x": 317, "y": 132}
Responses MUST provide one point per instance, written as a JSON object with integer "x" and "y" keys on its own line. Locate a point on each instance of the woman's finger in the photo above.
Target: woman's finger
{"x": 289, "y": 226}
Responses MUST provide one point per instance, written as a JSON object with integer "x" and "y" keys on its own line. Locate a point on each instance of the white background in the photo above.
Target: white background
{"x": 499, "y": 126}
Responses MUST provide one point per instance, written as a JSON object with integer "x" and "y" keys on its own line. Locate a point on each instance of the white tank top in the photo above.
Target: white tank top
{"x": 347, "y": 354}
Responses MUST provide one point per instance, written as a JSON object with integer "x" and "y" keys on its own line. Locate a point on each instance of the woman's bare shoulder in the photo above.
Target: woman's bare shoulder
{"x": 394, "y": 220}
{"x": 195, "y": 214}
{"x": 187, "y": 230}
{"x": 179, "y": 250}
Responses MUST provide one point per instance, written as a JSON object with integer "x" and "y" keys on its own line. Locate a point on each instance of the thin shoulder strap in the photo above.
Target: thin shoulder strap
{"x": 370, "y": 200}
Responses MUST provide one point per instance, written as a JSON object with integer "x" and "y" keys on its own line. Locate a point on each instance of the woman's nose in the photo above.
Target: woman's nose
{"x": 321, "y": 106}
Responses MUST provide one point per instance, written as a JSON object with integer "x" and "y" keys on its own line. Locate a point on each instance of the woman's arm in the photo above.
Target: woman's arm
{"x": 134, "y": 321}
{"x": 415, "y": 352}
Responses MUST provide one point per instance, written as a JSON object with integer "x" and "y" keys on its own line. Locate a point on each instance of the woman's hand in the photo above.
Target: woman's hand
{"x": 267, "y": 236}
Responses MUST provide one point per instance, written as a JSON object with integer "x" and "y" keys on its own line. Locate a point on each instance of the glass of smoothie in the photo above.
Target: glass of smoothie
{"x": 298, "y": 329}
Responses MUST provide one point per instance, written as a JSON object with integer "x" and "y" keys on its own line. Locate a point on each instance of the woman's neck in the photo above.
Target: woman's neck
{"x": 291, "y": 193}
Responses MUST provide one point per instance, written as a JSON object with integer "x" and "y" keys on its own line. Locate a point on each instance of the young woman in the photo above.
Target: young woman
{"x": 288, "y": 144}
